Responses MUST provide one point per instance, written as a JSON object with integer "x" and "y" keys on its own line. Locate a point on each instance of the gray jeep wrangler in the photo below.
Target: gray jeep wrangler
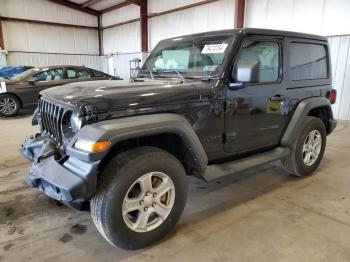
{"x": 208, "y": 105}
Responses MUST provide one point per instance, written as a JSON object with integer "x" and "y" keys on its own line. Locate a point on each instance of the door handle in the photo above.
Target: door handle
{"x": 236, "y": 86}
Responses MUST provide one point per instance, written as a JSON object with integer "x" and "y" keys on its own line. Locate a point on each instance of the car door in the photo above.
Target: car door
{"x": 256, "y": 113}
{"x": 42, "y": 80}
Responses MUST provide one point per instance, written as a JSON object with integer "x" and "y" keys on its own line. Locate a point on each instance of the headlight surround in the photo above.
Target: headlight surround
{"x": 71, "y": 124}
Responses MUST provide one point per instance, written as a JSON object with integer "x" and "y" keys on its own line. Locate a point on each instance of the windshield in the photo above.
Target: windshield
{"x": 25, "y": 74}
{"x": 197, "y": 57}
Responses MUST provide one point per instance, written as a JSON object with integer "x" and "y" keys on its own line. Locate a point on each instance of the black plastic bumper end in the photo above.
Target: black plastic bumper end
{"x": 55, "y": 181}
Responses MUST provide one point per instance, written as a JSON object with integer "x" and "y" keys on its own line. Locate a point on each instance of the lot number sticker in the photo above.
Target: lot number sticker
{"x": 214, "y": 49}
{"x": 2, "y": 87}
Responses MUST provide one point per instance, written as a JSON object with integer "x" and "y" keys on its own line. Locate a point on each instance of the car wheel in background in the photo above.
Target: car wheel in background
{"x": 9, "y": 105}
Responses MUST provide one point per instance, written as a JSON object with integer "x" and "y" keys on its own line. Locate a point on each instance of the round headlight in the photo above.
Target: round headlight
{"x": 76, "y": 122}
{"x": 71, "y": 124}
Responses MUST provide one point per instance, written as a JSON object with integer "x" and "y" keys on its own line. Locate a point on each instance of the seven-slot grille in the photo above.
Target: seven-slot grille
{"x": 51, "y": 115}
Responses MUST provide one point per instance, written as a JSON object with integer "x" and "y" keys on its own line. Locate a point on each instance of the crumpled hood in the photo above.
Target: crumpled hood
{"x": 112, "y": 95}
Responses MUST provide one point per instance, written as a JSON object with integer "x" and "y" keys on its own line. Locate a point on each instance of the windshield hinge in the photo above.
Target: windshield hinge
{"x": 209, "y": 78}
{"x": 90, "y": 114}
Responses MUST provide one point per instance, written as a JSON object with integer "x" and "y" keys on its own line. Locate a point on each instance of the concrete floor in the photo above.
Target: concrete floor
{"x": 261, "y": 215}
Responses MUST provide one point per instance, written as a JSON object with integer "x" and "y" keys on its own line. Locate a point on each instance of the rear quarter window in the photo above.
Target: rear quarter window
{"x": 308, "y": 61}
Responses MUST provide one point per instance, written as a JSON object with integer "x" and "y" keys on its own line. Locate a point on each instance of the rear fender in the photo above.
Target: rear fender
{"x": 301, "y": 111}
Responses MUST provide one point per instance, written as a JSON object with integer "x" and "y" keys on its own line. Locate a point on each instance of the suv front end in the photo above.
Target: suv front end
{"x": 57, "y": 170}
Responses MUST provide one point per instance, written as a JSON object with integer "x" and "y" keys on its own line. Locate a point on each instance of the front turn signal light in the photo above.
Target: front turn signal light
{"x": 92, "y": 146}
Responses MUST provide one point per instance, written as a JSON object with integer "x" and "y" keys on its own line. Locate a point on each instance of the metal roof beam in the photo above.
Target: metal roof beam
{"x": 89, "y": 3}
{"x": 76, "y": 7}
{"x": 121, "y": 5}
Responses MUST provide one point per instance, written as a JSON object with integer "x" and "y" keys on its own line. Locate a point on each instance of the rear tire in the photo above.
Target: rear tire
{"x": 126, "y": 206}
{"x": 9, "y": 105}
{"x": 308, "y": 148}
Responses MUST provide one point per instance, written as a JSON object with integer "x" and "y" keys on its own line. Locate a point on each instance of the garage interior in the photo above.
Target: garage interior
{"x": 262, "y": 214}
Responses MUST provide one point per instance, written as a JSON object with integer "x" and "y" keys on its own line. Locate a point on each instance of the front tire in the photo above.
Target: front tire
{"x": 141, "y": 195}
{"x": 9, "y": 105}
{"x": 308, "y": 148}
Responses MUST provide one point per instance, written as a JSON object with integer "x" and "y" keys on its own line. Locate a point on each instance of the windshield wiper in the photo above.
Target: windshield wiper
{"x": 149, "y": 71}
{"x": 180, "y": 75}
{"x": 177, "y": 72}
{"x": 151, "y": 74}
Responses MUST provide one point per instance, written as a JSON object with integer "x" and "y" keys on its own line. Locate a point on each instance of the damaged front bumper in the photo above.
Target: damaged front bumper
{"x": 64, "y": 178}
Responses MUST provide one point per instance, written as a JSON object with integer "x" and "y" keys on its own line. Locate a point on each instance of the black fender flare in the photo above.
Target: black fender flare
{"x": 121, "y": 129}
{"x": 302, "y": 110}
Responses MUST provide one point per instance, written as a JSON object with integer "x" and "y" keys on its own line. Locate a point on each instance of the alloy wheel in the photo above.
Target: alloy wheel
{"x": 312, "y": 147}
{"x": 148, "y": 202}
{"x": 7, "y": 106}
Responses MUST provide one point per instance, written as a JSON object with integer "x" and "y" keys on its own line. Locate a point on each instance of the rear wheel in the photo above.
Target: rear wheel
{"x": 9, "y": 105}
{"x": 140, "y": 198}
{"x": 308, "y": 148}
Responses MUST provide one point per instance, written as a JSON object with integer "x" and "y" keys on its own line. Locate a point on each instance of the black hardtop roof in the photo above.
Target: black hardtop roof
{"x": 255, "y": 31}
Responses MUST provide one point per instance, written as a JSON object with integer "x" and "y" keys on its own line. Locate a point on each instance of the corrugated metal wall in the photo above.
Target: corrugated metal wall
{"x": 41, "y": 59}
{"x": 44, "y": 10}
{"x": 214, "y": 16}
{"x": 44, "y": 45}
{"x": 28, "y": 37}
{"x": 122, "y": 39}
{"x": 340, "y": 53}
{"x": 323, "y": 17}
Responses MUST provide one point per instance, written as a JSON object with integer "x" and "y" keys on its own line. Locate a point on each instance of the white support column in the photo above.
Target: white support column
{"x": 3, "y": 54}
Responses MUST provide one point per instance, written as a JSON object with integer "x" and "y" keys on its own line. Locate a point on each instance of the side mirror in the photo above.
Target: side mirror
{"x": 32, "y": 80}
{"x": 247, "y": 72}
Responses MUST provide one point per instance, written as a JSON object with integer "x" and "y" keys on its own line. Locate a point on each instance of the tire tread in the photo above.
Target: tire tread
{"x": 290, "y": 163}
{"x": 106, "y": 186}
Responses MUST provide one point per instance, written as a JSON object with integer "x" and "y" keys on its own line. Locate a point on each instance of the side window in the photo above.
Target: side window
{"x": 265, "y": 52}
{"x": 307, "y": 61}
{"x": 73, "y": 73}
{"x": 83, "y": 74}
{"x": 50, "y": 75}
{"x": 96, "y": 74}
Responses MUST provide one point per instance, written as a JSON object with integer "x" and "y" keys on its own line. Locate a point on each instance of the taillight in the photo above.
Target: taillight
{"x": 332, "y": 96}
